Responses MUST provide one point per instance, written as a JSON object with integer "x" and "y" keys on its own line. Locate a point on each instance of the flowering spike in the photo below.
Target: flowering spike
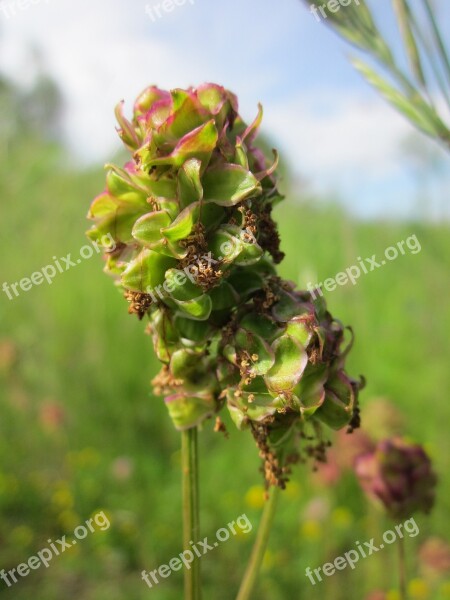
{"x": 196, "y": 249}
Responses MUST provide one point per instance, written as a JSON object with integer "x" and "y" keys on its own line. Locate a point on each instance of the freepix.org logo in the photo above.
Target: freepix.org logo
{"x": 59, "y": 265}
{"x": 99, "y": 522}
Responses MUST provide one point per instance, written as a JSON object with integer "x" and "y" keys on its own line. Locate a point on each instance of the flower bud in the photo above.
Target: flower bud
{"x": 400, "y": 475}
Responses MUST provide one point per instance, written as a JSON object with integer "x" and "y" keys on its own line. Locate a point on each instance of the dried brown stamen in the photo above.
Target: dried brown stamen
{"x": 139, "y": 303}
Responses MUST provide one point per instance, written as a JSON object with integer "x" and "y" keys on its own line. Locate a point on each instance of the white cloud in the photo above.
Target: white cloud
{"x": 97, "y": 52}
{"x": 340, "y": 139}
{"x": 94, "y": 55}
{"x": 354, "y": 134}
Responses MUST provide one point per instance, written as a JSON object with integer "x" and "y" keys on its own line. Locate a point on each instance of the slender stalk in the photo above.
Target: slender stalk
{"x": 257, "y": 555}
{"x": 431, "y": 59}
{"x": 438, "y": 38}
{"x": 191, "y": 521}
{"x": 403, "y": 13}
{"x": 402, "y": 568}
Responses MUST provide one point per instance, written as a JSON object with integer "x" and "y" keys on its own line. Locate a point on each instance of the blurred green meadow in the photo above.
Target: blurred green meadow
{"x": 82, "y": 433}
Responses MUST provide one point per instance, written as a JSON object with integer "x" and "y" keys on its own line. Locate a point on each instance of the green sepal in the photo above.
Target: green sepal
{"x": 223, "y": 296}
{"x": 120, "y": 185}
{"x": 310, "y": 389}
{"x": 333, "y": 411}
{"x": 194, "y": 331}
{"x": 262, "y": 325}
{"x": 194, "y": 370}
{"x": 228, "y": 184}
{"x": 146, "y": 271}
{"x": 300, "y": 330}
{"x": 287, "y": 307}
{"x": 290, "y": 362}
{"x": 188, "y": 411}
{"x": 245, "y": 283}
{"x": 208, "y": 214}
{"x": 103, "y": 205}
{"x": 187, "y": 115}
{"x": 254, "y": 345}
{"x": 147, "y": 229}
{"x": 189, "y": 185}
{"x": 180, "y": 287}
{"x": 198, "y": 308}
{"x": 198, "y": 143}
{"x": 225, "y": 246}
{"x": 118, "y": 224}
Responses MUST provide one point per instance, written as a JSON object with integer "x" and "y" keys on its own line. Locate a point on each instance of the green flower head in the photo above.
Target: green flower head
{"x": 195, "y": 253}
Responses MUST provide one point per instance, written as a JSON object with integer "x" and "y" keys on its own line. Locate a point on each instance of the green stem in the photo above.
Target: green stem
{"x": 191, "y": 521}
{"x": 431, "y": 59}
{"x": 257, "y": 555}
{"x": 404, "y": 19}
{"x": 438, "y": 38}
{"x": 402, "y": 568}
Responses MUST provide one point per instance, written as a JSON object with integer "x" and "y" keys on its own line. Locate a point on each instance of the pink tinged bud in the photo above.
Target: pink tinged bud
{"x": 400, "y": 475}
{"x": 149, "y": 98}
{"x": 212, "y": 97}
{"x": 126, "y": 132}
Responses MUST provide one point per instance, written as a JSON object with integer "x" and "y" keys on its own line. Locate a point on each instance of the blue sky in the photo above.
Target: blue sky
{"x": 332, "y": 129}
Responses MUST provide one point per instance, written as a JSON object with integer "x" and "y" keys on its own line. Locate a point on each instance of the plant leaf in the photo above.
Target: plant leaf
{"x": 229, "y": 184}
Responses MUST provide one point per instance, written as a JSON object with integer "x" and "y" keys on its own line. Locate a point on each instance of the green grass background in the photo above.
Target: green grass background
{"x": 73, "y": 345}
